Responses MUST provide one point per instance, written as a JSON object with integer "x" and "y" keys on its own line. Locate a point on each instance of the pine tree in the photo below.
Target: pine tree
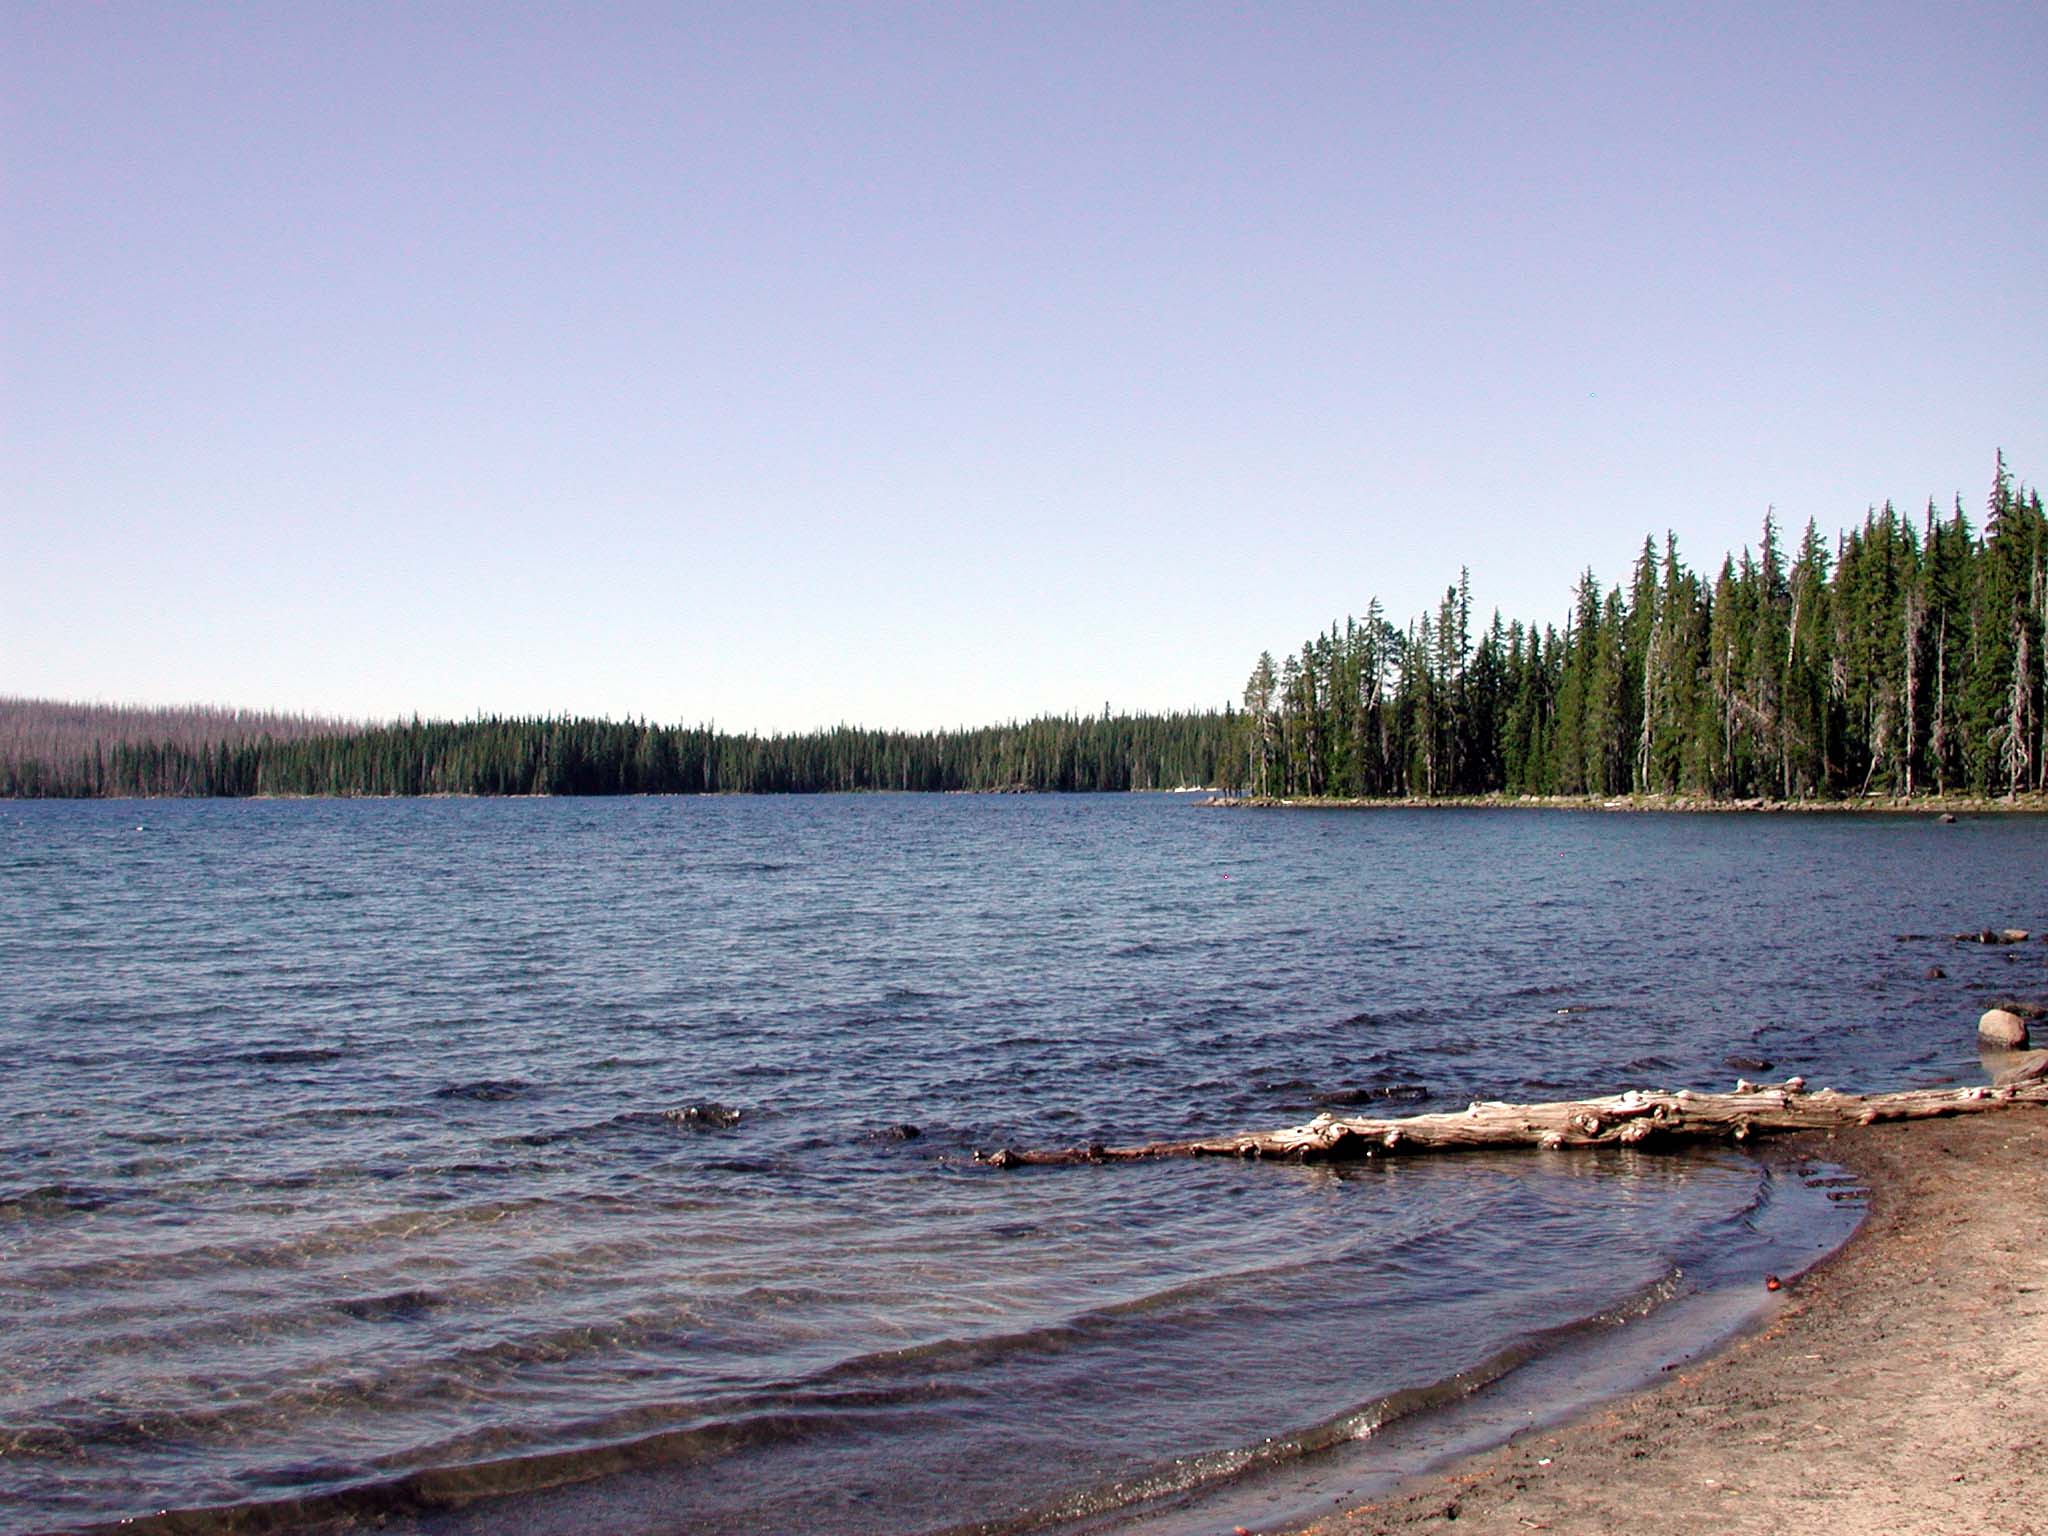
{"x": 1260, "y": 726}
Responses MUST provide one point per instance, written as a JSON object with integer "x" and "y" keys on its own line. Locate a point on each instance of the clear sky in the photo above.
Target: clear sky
{"x": 939, "y": 364}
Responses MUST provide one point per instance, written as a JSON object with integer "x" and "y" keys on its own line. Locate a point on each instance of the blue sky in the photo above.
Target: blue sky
{"x": 925, "y": 365}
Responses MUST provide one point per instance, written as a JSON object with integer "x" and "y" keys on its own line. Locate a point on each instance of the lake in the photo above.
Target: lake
{"x": 491, "y": 1165}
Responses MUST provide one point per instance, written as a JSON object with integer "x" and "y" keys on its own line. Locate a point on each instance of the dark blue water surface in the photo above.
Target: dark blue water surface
{"x": 388, "y": 1160}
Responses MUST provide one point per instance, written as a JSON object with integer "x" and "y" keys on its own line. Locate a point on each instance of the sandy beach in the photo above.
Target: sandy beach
{"x": 1901, "y": 1387}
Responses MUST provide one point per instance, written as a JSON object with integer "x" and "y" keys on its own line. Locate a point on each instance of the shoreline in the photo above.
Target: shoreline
{"x": 2031, "y": 804}
{"x": 1918, "y": 805}
{"x": 1900, "y": 1386}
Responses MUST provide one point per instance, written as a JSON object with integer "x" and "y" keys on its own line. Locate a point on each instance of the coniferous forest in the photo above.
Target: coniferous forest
{"x": 1901, "y": 658}
{"x": 570, "y": 756}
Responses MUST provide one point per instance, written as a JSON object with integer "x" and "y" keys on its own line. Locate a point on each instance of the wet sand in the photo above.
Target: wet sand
{"x": 1901, "y": 1387}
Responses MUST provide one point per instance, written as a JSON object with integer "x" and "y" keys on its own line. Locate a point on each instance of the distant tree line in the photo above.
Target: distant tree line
{"x": 571, "y": 756}
{"x": 1902, "y": 660}
{"x": 1905, "y": 659}
{"x": 48, "y": 730}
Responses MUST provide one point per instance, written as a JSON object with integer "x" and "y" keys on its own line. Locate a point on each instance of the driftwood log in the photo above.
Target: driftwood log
{"x": 1638, "y": 1118}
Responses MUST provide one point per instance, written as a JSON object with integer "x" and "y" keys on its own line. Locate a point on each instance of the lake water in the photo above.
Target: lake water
{"x": 482, "y": 1164}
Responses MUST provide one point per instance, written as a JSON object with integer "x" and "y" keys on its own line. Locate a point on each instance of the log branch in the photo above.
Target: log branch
{"x": 1638, "y": 1118}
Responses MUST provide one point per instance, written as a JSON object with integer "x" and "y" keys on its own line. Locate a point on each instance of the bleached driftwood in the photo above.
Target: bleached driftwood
{"x": 1637, "y": 1118}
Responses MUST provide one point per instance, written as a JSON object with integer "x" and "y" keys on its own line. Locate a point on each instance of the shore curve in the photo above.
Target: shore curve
{"x": 1902, "y": 1388}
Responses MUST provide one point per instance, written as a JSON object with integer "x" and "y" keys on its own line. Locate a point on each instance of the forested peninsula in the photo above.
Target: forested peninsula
{"x": 1901, "y": 659}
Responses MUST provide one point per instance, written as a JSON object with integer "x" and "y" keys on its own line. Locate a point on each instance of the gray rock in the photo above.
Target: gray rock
{"x": 2022, "y": 1067}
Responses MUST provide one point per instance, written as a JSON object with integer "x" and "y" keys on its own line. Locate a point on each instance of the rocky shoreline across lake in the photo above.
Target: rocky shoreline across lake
{"x": 1899, "y": 1387}
{"x": 1945, "y": 807}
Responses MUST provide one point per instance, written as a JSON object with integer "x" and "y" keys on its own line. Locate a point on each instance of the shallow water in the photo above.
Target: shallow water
{"x": 377, "y": 1154}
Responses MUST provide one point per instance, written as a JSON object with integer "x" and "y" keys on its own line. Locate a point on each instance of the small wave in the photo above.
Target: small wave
{"x": 1374, "y": 1093}
{"x": 1535, "y": 990}
{"x": 547, "y": 1138}
{"x": 1193, "y": 1476}
{"x": 280, "y": 1249}
{"x": 289, "y": 1055}
{"x": 702, "y": 1118}
{"x": 485, "y": 1464}
{"x": 502, "y": 1459}
{"x": 489, "y": 1090}
{"x": 46, "y": 1200}
{"x": 401, "y": 1306}
{"x": 342, "y": 1114}
{"x": 91, "y": 1058}
{"x": 1282, "y": 1084}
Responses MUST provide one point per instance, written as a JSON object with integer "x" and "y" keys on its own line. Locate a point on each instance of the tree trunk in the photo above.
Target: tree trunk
{"x": 1634, "y": 1119}
{"x": 1914, "y": 617}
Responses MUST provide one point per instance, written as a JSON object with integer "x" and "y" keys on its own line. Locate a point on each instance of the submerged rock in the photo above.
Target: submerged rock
{"x": 490, "y": 1090}
{"x": 708, "y": 1116}
{"x": 1373, "y": 1093}
{"x": 2022, "y": 1067}
{"x": 2002, "y": 1029}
